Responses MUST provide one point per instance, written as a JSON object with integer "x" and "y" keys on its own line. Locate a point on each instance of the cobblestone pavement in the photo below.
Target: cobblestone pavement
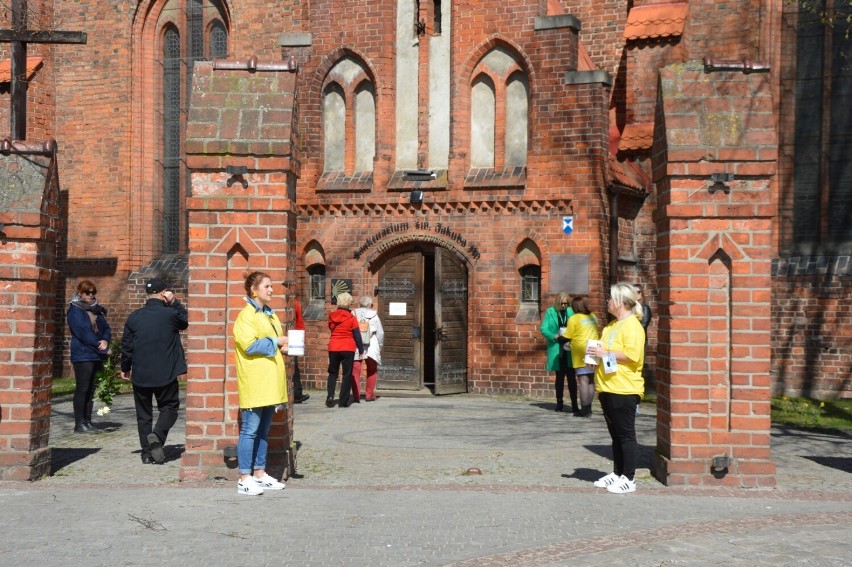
{"x": 387, "y": 484}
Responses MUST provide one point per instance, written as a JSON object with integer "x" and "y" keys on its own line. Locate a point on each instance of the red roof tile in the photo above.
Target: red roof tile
{"x": 637, "y": 136}
{"x": 656, "y": 20}
{"x": 33, "y": 65}
{"x": 626, "y": 174}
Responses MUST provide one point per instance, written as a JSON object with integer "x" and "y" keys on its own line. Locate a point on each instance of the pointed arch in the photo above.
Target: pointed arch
{"x": 349, "y": 116}
{"x": 158, "y": 176}
{"x": 510, "y": 73}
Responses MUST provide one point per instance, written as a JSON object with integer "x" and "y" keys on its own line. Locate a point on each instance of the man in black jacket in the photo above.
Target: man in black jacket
{"x": 152, "y": 358}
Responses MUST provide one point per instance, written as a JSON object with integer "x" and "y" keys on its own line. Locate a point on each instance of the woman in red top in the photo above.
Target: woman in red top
{"x": 299, "y": 324}
{"x": 345, "y": 338}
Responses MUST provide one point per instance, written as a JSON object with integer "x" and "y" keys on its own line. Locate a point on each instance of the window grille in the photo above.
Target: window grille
{"x": 171, "y": 141}
{"x": 218, "y": 41}
{"x": 530, "y": 284}
{"x": 318, "y": 283}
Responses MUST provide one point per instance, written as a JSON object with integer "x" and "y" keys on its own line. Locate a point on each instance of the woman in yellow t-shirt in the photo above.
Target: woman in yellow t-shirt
{"x": 618, "y": 380}
{"x": 582, "y": 326}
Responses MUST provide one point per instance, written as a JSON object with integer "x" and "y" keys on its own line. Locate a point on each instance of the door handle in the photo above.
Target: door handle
{"x": 415, "y": 332}
{"x": 439, "y": 334}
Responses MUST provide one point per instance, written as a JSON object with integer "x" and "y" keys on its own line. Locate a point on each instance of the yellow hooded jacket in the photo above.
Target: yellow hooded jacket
{"x": 261, "y": 380}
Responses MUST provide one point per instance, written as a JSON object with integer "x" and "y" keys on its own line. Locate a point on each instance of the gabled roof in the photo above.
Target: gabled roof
{"x": 656, "y": 21}
{"x": 33, "y": 65}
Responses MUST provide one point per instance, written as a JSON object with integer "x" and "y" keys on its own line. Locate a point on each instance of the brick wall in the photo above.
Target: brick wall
{"x": 812, "y": 336}
{"x": 30, "y": 221}
{"x": 243, "y": 119}
{"x": 714, "y": 253}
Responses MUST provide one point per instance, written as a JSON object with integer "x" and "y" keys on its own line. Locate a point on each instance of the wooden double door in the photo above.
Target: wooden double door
{"x": 422, "y": 298}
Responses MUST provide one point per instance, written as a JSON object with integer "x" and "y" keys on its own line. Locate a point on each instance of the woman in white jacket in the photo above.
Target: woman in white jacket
{"x": 373, "y": 337}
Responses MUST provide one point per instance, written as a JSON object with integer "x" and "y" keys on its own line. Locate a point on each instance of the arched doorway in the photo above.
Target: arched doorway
{"x": 422, "y": 299}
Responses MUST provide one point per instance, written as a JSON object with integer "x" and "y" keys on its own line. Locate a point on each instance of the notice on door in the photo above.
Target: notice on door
{"x": 397, "y": 309}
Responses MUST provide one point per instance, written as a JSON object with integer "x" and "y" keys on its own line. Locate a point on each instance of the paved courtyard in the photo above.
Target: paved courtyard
{"x": 388, "y": 483}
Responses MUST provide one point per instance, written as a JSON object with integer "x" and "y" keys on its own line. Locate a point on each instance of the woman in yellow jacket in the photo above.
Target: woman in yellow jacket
{"x": 261, "y": 382}
{"x": 582, "y": 327}
{"x": 618, "y": 380}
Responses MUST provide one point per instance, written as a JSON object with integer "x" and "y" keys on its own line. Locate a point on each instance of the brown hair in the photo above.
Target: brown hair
{"x": 86, "y": 286}
{"x": 578, "y": 305}
{"x": 253, "y": 279}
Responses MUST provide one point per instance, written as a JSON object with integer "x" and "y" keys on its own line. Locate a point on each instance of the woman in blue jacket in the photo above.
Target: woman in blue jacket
{"x": 90, "y": 337}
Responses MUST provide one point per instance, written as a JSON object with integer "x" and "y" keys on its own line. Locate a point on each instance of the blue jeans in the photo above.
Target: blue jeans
{"x": 252, "y": 446}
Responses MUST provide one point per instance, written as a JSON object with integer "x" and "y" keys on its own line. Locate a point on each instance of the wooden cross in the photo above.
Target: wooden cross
{"x": 19, "y": 36}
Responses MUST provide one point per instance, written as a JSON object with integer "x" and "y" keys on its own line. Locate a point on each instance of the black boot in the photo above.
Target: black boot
{"x": 586, "y": 411}
{"x": 83, "y": 427}
{"x": 559, "y": 405}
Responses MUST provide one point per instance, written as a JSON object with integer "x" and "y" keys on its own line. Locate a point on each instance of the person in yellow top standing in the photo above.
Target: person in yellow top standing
{"x": 582, "y": 326}
{"x": 618, "y": 380}
{"x": 261, "y": 382}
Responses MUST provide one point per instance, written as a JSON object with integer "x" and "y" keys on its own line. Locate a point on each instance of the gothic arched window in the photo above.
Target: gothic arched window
{"x": 499, "y": 117}
{"x": 184, "y": 41}
{"x": 349, "y": 119}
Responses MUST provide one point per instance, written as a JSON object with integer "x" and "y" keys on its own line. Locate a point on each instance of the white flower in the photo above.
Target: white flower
{"x": 103, "y": 411}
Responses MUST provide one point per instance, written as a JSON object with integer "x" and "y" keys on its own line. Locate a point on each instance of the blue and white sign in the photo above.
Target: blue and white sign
{"x": 568, "y": 224}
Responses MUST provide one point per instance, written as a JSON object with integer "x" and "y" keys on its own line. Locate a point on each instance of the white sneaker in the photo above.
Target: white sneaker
{"x": 605, "y": 481}
{"x": 622, "y": 486}
{"x": 249, "y": 488}
{"x": 266, "y": 482}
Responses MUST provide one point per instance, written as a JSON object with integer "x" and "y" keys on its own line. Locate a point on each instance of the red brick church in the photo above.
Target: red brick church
{"x": 459, "y": 162}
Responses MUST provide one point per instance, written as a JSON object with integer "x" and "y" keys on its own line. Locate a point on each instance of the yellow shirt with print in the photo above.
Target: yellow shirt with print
{"x": 626, "y": 336}
{"x": 580, "y": 329}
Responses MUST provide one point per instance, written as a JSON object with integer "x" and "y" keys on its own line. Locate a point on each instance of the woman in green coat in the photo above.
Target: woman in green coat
{"x": 558, "y": 359}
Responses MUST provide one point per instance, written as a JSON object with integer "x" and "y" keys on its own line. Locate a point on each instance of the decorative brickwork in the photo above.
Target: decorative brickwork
{"x": 234, "y": 229}
{"x": 714, "y": 252}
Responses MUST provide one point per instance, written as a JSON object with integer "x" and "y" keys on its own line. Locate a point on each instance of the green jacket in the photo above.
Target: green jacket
{"x": 549, "y": 329}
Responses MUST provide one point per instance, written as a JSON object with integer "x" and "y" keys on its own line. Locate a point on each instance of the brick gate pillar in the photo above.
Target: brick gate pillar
{"x": 243, "y": 161}
{"x": 714, "y": 159}
{"x": 29, "y": 229}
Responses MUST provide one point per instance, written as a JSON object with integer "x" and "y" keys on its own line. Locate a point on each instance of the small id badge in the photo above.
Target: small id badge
{"x": 609, "y": 364}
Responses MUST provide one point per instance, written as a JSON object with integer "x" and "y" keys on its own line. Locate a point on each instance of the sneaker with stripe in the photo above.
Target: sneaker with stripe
{"x": 266, "y": 482}
{"x": 249, "y": 487}
{"x": 622, "y": 486}
{"x": 605, "y": 481}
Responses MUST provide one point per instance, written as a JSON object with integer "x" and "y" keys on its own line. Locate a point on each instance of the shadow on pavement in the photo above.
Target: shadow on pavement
{"x": 61, "y": 457}
{"x": 840, "y": 463}
{"x": 585, "y": 475}
{"x": 644, "y": 455}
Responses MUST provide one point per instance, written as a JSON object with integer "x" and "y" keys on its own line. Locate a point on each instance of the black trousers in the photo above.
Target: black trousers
{"x": 84, "y": 393}
{"x": 297, "y": 379}
{"x": 566, "y": 373}
{"x": 336, "y": 359}
{"x": 168, "y": 404}
{"x": 620, "y": 413}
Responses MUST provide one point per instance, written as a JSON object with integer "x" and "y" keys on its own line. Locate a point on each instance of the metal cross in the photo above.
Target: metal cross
{"x": 19, "y": 36}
